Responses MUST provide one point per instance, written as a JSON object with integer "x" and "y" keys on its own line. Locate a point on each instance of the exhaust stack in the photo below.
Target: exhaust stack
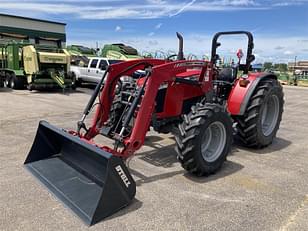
{"x": 180, "y": 53}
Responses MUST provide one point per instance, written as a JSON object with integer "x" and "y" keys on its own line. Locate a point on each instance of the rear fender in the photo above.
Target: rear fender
{"x": 240, "y": 96}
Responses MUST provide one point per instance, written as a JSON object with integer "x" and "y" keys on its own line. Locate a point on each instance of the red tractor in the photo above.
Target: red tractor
{"x": 201, "y": 104}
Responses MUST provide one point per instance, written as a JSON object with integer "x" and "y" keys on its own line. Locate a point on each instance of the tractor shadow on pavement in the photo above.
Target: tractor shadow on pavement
{"x": 160, "y": 155}
{"x": 143, "y": 179}
{"x": 228, "y": 168}
{"x": 277, "y": 145}
{"x": 166, "y": 157}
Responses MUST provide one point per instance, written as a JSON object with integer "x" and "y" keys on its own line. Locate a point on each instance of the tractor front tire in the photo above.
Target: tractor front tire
{"x": 204, "y": 139}
{"x": 258, "y": 126}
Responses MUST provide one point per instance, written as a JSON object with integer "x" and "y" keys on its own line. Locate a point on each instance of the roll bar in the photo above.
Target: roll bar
{"x": 249, "y": 57}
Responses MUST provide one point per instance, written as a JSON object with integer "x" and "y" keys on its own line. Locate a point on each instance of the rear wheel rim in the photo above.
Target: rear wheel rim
{"x": 270, "y": 115}
{"x": 214, "y": 141}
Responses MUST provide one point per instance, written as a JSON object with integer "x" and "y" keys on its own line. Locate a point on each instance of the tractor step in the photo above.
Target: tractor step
{"x": 93, "y": 183}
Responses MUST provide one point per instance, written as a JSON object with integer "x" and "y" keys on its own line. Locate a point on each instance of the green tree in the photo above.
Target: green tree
{"x": 267, "y": 65}
{"x": 282, "y": 67}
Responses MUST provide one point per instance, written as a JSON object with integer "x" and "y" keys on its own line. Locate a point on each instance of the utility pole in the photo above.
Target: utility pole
{"x": 294, "y": 64}
{"x": 294, "y": 76}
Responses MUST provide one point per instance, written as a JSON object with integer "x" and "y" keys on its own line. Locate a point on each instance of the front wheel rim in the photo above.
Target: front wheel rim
{"x": 214, "y": 141}
{"x": 270, "y": 115}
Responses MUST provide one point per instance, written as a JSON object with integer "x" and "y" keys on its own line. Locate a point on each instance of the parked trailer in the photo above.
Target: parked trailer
{"x": 35, "y": 66}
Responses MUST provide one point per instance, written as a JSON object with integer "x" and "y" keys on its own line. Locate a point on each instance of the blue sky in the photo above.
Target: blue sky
{"x": 280, "y": 27}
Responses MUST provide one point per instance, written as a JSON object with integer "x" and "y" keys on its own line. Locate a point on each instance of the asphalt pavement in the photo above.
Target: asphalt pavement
{"x": 263, "y": 189}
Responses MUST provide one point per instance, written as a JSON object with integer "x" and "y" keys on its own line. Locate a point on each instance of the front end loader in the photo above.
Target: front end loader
{"x": 195, "y": 100}
{"x": 90, "y": 181}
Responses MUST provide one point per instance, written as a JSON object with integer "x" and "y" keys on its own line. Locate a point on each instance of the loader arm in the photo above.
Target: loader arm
{"x": 162, "y": 72}
{"x": 115, "y": 72}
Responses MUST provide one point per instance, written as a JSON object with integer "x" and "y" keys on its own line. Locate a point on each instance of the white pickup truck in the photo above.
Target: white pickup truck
{"x": 93, "y": 71}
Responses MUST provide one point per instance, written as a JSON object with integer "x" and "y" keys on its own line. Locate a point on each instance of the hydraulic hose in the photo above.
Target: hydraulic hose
{"x": 134, "y": 105}
{"x": 87, "y": 110}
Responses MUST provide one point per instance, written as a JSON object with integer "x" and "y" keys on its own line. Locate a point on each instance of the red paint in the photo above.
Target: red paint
{"x": 163, "y": 73}
{"x": 238, "y": 94}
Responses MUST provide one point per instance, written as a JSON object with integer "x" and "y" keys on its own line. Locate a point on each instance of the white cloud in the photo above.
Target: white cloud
{"x": 288, "y": 53}
{"x": 158, "y": 26}
{"x": 182, "y": 8}
{"x": 239, "y": 2}
{"x": 118, "y": 28}
{"x": 111, "y": 13}
{"x": 157, "y": 1}
{"x": 290, "y": 3}
{"x": 279, "y": 47}
{"x": 128, "y": 9}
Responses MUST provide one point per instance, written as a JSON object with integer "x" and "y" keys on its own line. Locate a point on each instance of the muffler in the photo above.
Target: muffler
{"x": 93, "y": 183}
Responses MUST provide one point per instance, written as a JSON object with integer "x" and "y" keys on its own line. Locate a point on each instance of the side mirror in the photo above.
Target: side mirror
{"x": 104, "y": 68}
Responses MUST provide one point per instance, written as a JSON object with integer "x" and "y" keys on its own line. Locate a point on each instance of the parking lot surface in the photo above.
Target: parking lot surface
{"x": 255, "y": 190}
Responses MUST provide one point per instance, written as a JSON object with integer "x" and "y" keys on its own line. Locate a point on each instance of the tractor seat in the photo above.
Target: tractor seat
{"x": 227, "y": 74}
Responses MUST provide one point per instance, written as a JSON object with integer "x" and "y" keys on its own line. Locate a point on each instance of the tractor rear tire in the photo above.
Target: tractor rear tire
{"x": 258, "y": 126}
{"x": 204, "y": 139}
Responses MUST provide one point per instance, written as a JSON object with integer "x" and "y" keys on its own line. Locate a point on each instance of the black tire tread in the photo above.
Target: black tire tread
{"x": 247, "y": 124}
{"x": 188, "y": 131}
{"x": 19, "y": 83}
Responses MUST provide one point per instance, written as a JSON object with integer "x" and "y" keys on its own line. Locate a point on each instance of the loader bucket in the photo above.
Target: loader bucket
{"x": 93, "y": 183}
